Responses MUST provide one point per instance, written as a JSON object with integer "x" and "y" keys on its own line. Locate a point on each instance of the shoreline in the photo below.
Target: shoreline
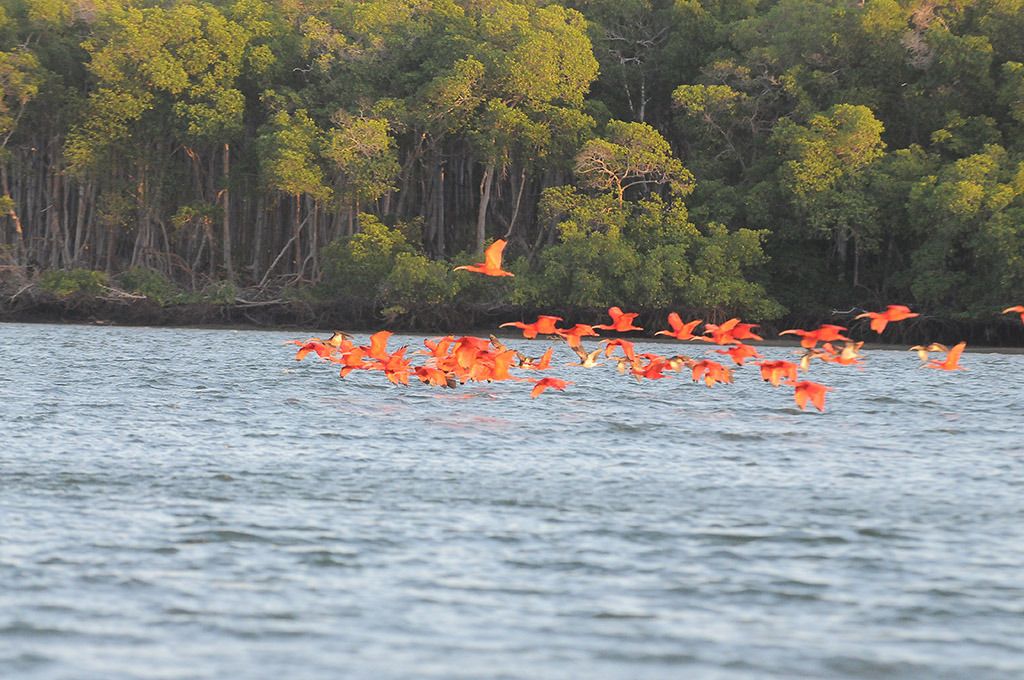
{"x": 1000, "y": 335}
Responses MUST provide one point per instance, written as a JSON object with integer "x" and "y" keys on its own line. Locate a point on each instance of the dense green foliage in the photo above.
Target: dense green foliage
{"x": 713, "y": 155}
{"x": 73, "y": 282}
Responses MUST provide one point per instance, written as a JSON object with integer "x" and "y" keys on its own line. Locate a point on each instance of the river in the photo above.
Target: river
{"x": 193, "y": 503}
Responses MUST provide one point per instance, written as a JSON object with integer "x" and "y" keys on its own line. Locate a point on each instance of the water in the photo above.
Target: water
{"x": 195, "y": 504}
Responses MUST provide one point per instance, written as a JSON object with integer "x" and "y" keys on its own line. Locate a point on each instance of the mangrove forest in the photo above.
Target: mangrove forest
{"x": 757, "y": 157}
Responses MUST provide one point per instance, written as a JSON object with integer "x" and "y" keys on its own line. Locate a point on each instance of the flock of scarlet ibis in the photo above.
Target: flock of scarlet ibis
{"x": 450, "y": 361}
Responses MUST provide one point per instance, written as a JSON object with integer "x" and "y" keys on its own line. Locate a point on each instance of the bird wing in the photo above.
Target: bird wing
{"x": 800, "y": 395}
{"x": 675, "y": 321}
{"x": 953, "y": 357}
{"x": 492, "y": 256}
{"x": 580, "y": 353}
{"x": 818, "y": 398}
{"x": 379, "y": 344}
{"x": 728, "y": 325}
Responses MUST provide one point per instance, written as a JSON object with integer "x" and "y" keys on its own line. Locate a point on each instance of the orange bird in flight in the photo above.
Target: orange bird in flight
{"x": 396, "y": 367}
{"x": 437, "y": 347}
{"x": 378, "y": 348}
{"x": 745, "y": 331}
{"x": 502, "y": 363}
{"x": 824, "y": 333}
{"x": 544, "y": 383}
{"x": 1015, "y": 308}
{"x": 338, "y": 342}
{"x": 351, "y": 361}
{"x": 621, "y": 322}
{"x": 952, "y": 361}
{"x": 544, "y": 325}
{"x": 806, "y": 390}
{"x": 491, "y": 266}
{"x": 573, "y": 335}
{"x": 534, "y": 364}
{"x": 313, "y": 345}
{"x": 879, "y": 320}
{"x": 730, "y": 332}
{"x": 740, "y": 353}
{"x": 626, "y": 345}
{"x": 775, "y": 372}
{"x": 466, "y": 350}
{"x": 712, "y": 372}
{"x": 492, "y": 366}
{"x": 435, "y": 376}
{"x": 680, "y": 330}
{"x": 849, "y": 355}
{"x": 656, "y": 365}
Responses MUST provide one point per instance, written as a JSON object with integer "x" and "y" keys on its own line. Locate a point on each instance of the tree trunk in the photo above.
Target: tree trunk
{"x": 439, "y": 225}
{"x": 297, "y": 253}
{"x": 481, "y": 215}
{"x": 257, "y": 246}
{"x": 519, "y": 199}
{"x": 842, "y": 241}
{"x": 19, "y": 233}
{"x": 229, "y": 270}
{"x": 79, "y": 227}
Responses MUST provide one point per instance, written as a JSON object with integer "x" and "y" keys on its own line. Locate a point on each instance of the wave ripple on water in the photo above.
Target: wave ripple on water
{"x": 194, "y": 504}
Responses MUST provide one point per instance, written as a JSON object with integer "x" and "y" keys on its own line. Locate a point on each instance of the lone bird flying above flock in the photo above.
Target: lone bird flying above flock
{"x": 491, "y": 266}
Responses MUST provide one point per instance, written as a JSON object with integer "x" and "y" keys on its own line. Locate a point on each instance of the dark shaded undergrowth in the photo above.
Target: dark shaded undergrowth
{"x": 21, "y": 301}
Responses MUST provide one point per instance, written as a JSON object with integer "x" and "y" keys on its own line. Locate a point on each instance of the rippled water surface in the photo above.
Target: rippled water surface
{"x": 195, "y": 504}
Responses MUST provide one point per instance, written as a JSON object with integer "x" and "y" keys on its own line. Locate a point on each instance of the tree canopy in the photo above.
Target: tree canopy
{"x": 719, "y": 155}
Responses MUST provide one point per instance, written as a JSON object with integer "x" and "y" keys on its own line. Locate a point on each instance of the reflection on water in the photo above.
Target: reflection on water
{"x": 194, "y": 504}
